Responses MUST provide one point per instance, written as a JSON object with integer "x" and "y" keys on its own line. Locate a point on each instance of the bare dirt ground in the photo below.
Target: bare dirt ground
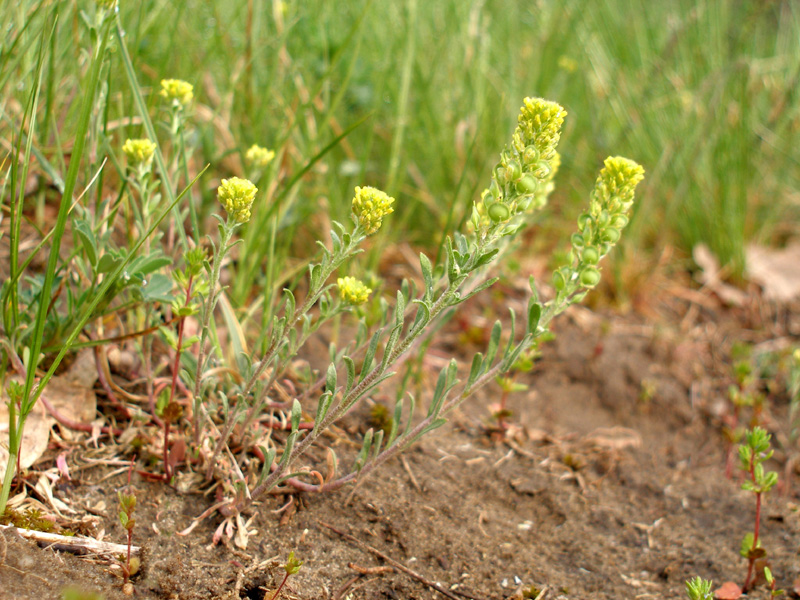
{"x": 611, "y": 486}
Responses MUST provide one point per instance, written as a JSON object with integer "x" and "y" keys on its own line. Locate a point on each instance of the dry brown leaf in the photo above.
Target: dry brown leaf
{"x": 728, "y": 591}
{"x": 615, "y": 438}
{"x": 777, "y": 271}
{"x": 711, "y": 279}
{"x": 70, "y": 394}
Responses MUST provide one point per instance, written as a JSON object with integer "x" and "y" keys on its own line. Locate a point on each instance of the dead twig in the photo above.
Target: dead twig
{"x": 407, "y": 467}
{"x": 452, "y": 594}
{"x": 370, "y": 570}
{"x": 72, "y": 544}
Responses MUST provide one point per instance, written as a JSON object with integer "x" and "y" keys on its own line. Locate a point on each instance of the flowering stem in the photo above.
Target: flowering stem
{"x": 443, "y": 302}
{"x": 211, "y": 301}
{"x": 259, "y": 403}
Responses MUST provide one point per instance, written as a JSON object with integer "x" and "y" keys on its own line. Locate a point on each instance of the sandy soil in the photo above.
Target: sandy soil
{"x": 611, "y": 486}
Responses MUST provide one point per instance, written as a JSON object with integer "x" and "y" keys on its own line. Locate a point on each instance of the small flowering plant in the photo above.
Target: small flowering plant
{"x": 520, "y": 185}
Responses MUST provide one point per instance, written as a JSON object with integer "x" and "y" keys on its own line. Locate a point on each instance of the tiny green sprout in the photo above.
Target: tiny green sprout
{"x": 699, "y": 589}
{"x": 127, "y": 504}
{"x": 771, "y": 583}
{"x": 179, "y": 92}
{"x": 291, "y": 567}
{"x": 236, "y": 195}
{"x": 369, "y": 207}
{"x": 647, "y": 391}
{"x": 259, "y": 156}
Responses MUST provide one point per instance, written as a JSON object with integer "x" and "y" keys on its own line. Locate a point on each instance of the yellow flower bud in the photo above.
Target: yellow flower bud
{"x": 539, "y": 124}
{"x": 352, "y": 291}
{"x": 139, "y": 152}
{"x": 258, "y": 156}
{"x": 617, "y": 183}
{"x": 178, "y": 91}
{"x": 237, "y": 196}
{"x": 369, "y": 206}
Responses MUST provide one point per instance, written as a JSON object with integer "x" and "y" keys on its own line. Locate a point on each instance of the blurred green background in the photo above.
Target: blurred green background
{"x": 703, "y": 94}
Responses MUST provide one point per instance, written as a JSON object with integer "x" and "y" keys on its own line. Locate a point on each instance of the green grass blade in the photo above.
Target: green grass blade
{"x": 141, "y": 105}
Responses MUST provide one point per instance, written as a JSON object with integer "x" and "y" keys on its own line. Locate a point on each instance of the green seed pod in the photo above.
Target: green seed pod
{"x": 543, "y": 169}
{"x": 611, "y": 235}
{"x": 513, "y": 170}
{"x": 499, "y": 212}
{"x": 590, "y": 277}
{"x": 524, "y": 203}
{"x": 584, "y": 220}
{"x": 577, "y": 240}
{"x": 527, "y": 185}
{"x": 559, "y": 281}
{"x": 531, "y": 155}
{"x": 619, "y": 221}
{"x": 603, "y": 218}
{"x": 590, "y": 255}
{"x": 495, "y": 191}
{"x": 500, "y": 174}
{"x": 614, "y": 203}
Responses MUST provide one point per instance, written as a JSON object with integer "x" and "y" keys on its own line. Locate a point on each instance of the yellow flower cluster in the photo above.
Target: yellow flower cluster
{"x": 353, "y": 291}
{"x": 370, "y": 205}
{"x": 177, "y": 90}
{"x": 539, "y": 123}
{"x": 259, "y": 156}
{"x": 139, "y": 152}
{"x": 616, "y": 184}
{"x": 236, "y": 195}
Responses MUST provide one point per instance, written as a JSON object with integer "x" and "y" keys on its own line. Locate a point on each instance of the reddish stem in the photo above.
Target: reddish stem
{"x": 167, "y": 474}
{"x": 280, "y": 587}
{"x": 78, "y": 426}
{"x": 751, "y": 560}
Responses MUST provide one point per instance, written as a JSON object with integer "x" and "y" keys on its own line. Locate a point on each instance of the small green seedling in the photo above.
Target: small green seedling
{"x": 699, "y": 589}
{"x": 291, "y": 567}
{"x": 771, "y": 582}
{"x": 752, "y": 455}
{"x": 127, "y": 504}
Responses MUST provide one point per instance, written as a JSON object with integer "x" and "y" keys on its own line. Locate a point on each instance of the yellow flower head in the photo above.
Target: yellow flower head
{"x": 370, "y": 205}
{"x": 616, "y": 184}
{"x": 539, "y": 124}
{"x": 139, "y": 152}
{"x": 258, "y": 156}
{"x": 178, "y": 91}
{"x": 237, "y": 196}
{"x": 353, "y": 291}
